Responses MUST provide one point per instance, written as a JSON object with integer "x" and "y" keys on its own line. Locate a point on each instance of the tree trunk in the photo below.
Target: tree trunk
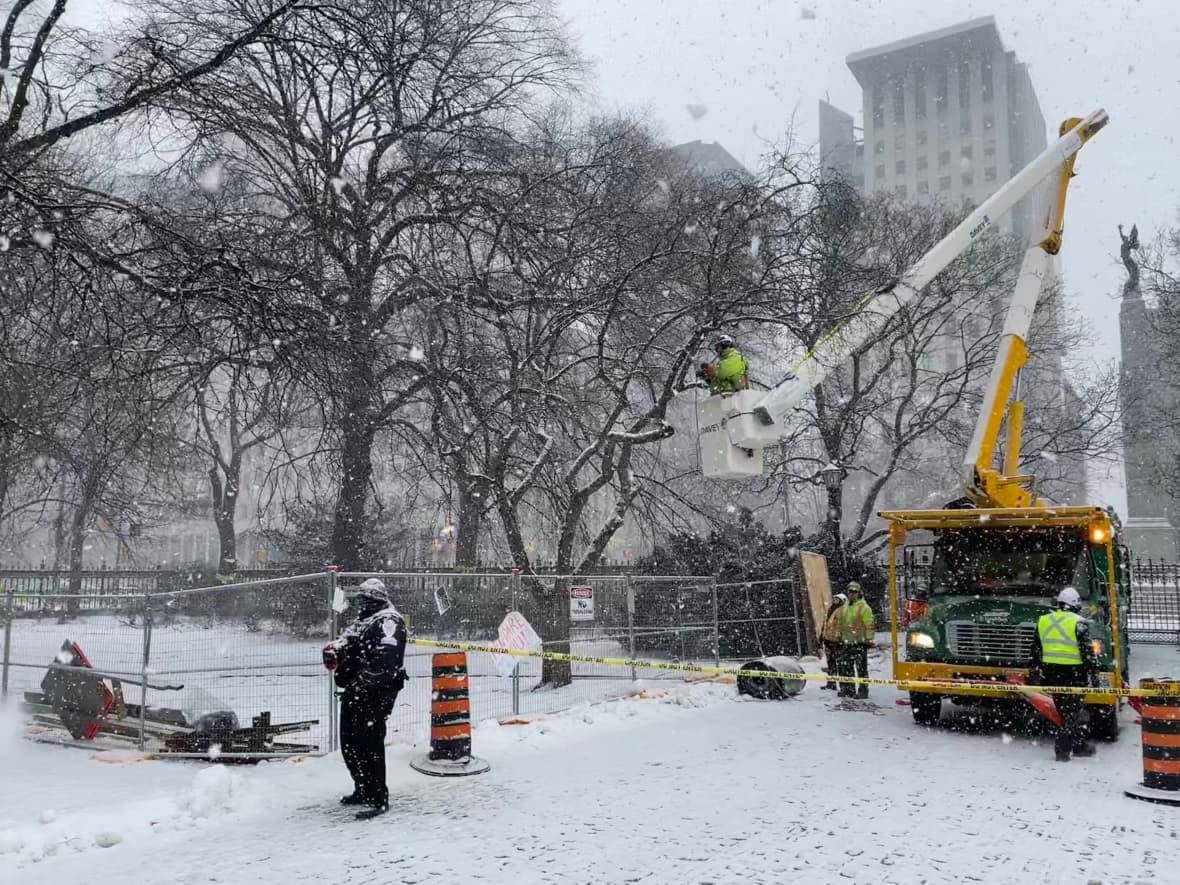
{"x": 77, "y": 550}
{"x": 348, "y": 530}
{"x": 555, "y": 626}
{"x": 467, "y": 531}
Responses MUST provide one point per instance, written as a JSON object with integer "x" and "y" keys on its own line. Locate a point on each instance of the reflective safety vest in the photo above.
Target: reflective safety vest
{"x": 832, "y": 625}
{"x": 1059, "y": 638}
{"x": 856, "y": 622}
{"x": 729, "y": 372}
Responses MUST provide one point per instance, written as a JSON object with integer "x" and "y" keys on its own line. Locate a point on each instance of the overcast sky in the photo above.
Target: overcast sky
{"x": 760, "y": 66}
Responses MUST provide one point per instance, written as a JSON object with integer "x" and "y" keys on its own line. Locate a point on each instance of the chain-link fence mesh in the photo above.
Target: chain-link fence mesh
{"x": 237, "y": 651}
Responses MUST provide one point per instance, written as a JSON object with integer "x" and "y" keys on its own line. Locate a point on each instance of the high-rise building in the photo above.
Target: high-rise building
{"x": 948, "y": 114}
{"x": 951, "y": 115}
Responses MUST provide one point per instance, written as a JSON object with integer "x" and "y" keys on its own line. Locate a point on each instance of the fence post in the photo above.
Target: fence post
{"x": 631, "y": 624}
{"x": 514, "y": 590}
{"x": 794, "y": 590}
{"x": 333, "y": 630}
{"x": 9, "y": 610}
{"x": 716, "y": 627}
{"x": 143, "y": 670}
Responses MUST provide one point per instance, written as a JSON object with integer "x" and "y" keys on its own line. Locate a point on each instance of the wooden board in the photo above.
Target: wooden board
{"x": 814, "y": 567}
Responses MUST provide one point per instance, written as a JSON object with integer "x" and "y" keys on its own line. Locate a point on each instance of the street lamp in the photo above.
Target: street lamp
{"x": 832, "y": 474}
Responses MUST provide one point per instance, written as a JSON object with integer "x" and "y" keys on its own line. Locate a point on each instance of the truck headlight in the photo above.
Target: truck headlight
{"x": 920, "y": 640}
{"x": 1097, "y": 647}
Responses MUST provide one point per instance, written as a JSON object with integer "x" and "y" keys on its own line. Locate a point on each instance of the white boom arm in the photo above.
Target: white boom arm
{"x": 876, "y": 308}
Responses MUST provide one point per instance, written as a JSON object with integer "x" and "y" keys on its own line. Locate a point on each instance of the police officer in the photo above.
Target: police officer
{"x": 367, "y": 662}
{"x": 1063, "y": 654}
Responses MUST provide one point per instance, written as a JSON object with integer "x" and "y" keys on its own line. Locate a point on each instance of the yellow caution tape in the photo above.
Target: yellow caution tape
{"x": 1167, "y": 689}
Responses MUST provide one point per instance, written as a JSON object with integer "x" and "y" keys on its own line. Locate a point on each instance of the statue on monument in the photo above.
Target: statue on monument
{"x": 1130, "y": 244}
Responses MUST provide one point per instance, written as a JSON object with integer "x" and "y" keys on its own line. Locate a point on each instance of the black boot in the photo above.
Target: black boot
{"x": 1062, "y": 756}
{"x": 1086, "y": 749}
{"x": 352, "y": 799}
{"x": 376, "y": 807}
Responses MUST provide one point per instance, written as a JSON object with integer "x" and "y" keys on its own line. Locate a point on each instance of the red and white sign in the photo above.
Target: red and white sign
{"x": 581, "y": 603}
{"x": 515, "y": 632}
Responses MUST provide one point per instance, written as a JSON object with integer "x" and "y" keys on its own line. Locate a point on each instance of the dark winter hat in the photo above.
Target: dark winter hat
{"x": 373, "y": 590}
{"x": 854, "y": 588}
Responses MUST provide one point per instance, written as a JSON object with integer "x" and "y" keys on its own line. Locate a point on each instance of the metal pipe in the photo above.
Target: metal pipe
{"x": 9, "y": 609}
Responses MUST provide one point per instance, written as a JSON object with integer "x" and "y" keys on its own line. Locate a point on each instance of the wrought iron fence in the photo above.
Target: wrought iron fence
{"x": 1155, "y": 601}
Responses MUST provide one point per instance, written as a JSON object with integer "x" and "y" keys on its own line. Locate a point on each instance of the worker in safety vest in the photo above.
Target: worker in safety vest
{"x": 831, "y": 638}
{"x": 856, "y": 638}
{"x": 1063, "y": 656}
{"x": 729, "y": 372}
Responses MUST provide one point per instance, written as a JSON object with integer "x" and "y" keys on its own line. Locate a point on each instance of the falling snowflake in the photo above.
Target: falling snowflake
{"x": 807, "y": 14}
{"x": 212, "y": 177}
{"x": 417, "y": 354}
{"x": 755, "y": 245}
{"x": 4, "y": 243}
{"x": 696, "y": 111}
{"x": 338, "y": 184}
{"x": 1051, "y": 457}
{"x": 43, "y": 238}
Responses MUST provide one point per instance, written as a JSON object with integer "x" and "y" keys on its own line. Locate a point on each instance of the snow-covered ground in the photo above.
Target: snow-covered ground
{"x": 687, "y": 784}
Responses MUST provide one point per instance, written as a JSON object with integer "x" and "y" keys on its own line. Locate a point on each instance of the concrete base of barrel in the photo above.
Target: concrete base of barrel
{"x": 450, "y": 767}
{"x": 1151, "y": 794}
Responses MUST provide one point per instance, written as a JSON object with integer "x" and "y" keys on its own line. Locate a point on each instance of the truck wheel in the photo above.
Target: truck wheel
{"x": 1104, "y": 722}
{"x": 927, "y": 708}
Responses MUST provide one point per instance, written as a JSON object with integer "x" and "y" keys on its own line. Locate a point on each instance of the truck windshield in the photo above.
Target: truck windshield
{"x": 1007, "y": 562}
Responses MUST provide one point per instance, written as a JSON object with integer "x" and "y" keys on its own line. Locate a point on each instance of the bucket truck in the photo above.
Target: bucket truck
{"x": 968, "y": 583}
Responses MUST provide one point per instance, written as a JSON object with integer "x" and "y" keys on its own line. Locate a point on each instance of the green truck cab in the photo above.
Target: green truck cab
{"x": 968, "y": 586}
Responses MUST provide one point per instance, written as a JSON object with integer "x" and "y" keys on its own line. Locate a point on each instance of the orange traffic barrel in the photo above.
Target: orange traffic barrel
{"x": 450, "y": 720}
{"x": 1160, "y": 718}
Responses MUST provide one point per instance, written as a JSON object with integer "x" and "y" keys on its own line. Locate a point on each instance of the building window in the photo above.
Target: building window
{"x": 988, "y": 86}
{"x": 858, "y": 180}
{"x": 989, "y": 121}
{"x": 989, "y": 174}
{"x": 879, "y": 172}
{"x": 989, "y": 150}
{"x": 940, "y": 88}
{"x": 921, "y": 136}
{"x": 921, "y": 162}
{"x": 964, "y": 84}
{"x": 899, "y": 141}
{"x": 900, "y": 191}
{"x": 899, "y": 167}
{"x": 944, "y": 158}
{"x": 879, "y": 147}
{"x": 860, "y": 149}
{"x": 878, "y": 105}
{"x": 968, "y": 179}
{"x": 923, "y": 187}
{"x": 965, "y": 125}
{"x": 966, "y": 151}
{"x": 899, "y": 101}
{"x": 944, "y": 183}
{"x": 920, "y": 93}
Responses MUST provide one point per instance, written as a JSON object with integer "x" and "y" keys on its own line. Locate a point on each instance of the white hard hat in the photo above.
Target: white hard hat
{"x": 840, "y": 597}
{"x": 1069, "y": 598}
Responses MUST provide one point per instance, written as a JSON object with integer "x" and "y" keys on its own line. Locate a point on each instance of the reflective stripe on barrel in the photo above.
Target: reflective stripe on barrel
{"x": 1160, "y": 719}
{"x": 450, "y": 707}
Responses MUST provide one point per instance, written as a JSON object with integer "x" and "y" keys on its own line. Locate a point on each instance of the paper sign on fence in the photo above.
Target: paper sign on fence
{"x": 515, "y": 632}
{"x": 581, "y": 603}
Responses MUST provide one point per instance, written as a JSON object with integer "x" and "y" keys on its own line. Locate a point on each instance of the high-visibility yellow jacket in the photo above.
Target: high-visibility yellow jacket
{"x": 856, "y": 622}
{"x": 831, "y": 632}
{"x": 728, "y": 374}
{"x": 1058, "y": 632}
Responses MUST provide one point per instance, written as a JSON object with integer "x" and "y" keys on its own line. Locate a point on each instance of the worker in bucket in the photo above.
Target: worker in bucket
{"x": 366, "y": 661}
{"x": 729, "y": 372}
{"x": 1062, "y": 656}
{"x": 856, "y": 638}
{"x": 831, "y": 639}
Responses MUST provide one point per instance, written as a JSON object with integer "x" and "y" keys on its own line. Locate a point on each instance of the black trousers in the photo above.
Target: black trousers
{"x": 853, "y": 660}
{"x": 1072, "y": 734}
{"x": 363, "y": 715}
